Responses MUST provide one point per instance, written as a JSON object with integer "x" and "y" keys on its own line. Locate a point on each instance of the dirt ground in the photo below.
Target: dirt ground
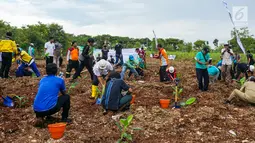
{"x": 207, "y": 120}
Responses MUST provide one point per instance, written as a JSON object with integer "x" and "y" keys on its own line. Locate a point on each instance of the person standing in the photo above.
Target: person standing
{"x": 49, "y": 50}
{"x": 119, "y": 56}
{"x": 105, "y": 52}
{"x": 31, "y": 50}
{"x": 202, "y": 59}
{"x": 227, "y": 62}
{"x": 86, "y": 59}
{"x": 250, "y": 59}
{"x": 163, "y": 63}
{"x": 143, "y": 52}
{"x": 7, "y": 47}
{"x": 72, "y": 59}
{"x": 57, "y": 53}
{"x": 0, "y": 60}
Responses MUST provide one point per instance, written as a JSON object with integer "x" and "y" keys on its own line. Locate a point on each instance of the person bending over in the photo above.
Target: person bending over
{"x": 47, "y": 100}
{"x": 213, "y": 72}
{"x": 245, "y": 69}
{"x": 129, "y": 65}
{"x": 171, "y": 72}
{"x": 113, "y": 99}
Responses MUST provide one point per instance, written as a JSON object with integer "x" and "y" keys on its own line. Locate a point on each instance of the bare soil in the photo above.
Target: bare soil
{"x": 207, "y": 120}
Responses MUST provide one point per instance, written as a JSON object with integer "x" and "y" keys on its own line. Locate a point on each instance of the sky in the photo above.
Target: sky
{"x": 189, "y": 20}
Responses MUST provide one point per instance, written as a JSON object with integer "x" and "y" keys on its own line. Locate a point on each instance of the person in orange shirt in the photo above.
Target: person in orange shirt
{"x": 72, "y": 59}
{"x": 163, "y": 63}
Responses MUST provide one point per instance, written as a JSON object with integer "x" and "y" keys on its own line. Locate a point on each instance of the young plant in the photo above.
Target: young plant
{"x": 177, "y": 92}
{"x": 21, "y": 101}
{"x": 123, "y": 126}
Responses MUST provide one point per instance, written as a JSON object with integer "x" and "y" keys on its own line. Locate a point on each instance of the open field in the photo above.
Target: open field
{"x": 208, "y": 120}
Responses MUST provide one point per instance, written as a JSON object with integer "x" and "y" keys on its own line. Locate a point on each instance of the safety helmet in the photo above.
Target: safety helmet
{"x": 171, "y": 69}
{"x": 131, "y": 57}
{"x": 102, "y": 64}
{"x": 251, "y": 68}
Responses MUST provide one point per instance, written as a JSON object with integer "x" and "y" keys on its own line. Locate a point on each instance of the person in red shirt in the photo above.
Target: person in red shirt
{"x": 72, "y": 59}
{"x": 171, "y": 72}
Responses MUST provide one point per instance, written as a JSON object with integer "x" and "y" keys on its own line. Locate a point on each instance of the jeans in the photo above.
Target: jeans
{"x": 86, "y": 63}
{"x": 139, "y": 71}
{"x": 49, "y": 60}
{"x": 71, "y": 65}
{"x": 6, "y": 64}
{"x": 162, "y": 74}
{"x": 56, "y": 60}
{"x": 124, "y": 69}
{"x": 203, "y": 79}
{"x": 119, "y": 57}
{"x": 20, "y": 71}
{"x": 63, "y": 102}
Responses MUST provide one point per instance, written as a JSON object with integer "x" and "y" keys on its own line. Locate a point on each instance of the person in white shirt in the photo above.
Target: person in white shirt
{"x": 101, "y": 71}
{"x": 226, "y": 54}
{"x": 49, "y": 50}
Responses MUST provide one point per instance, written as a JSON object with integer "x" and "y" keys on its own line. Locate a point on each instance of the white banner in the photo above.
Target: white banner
{"x": 237, "y": 35}
{"x": 156, "y": 40}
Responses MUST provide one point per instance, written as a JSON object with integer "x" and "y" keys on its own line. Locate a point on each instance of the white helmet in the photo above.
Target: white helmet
{"x": 171, "y": 69}
{"x": 251, "y": 68}
{"x": 102, "y": 64}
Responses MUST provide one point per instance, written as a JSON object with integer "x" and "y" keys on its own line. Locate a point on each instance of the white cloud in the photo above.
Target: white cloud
{"x": 134, "y": 18}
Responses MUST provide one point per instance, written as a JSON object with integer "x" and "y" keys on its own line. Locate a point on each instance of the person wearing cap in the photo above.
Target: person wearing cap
{"x": 7, "y": 47}
{"x": 131, "y": 65}
{"x": 86, "y": 59}
{"x": 57, "y": 53}
{"x": 227, "y": 62}
{"x": 49, "y": 48}
{"x": 27, "y": 61}
{"x": 213, "y": 72}
{"x": 118, "y": 54}
{"x": 101, "y": 72}
{"x": 113, "y": 99}
{"x": 245, "y": 69}
{"x": 171, "y": 72}
{"x": 139, "y": 68}
{"x": 246, "y": 93}
{"x": 31, "y": 50}
{"x": 250, "y": 59}
{"x": 72, "y": 59}
{"x": 202, "y": 59}
{"x": 47, "y": 100}
{"x": 163, "y": 63}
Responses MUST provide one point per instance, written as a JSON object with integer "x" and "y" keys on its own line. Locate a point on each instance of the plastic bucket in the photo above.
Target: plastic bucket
{"x": 164, "y": 103}
{"x": 57, "y": 130}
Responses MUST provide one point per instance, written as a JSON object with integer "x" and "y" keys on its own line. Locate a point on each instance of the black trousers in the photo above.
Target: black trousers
{"x": 203, "y": 79}
{"x": 71, "y": 65}
{"x": 60, "y": 61}
{"x": 96, "y": 81}
{"x": 49, "y": 60}
{"x": 63, "y": 102}
{"x": 162, "y": 74}
{"x": 86, "y": 63}
{"x": 6, "y": 64}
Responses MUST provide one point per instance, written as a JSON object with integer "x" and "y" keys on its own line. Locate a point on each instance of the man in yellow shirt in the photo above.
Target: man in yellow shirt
{"x": 7, "y": 47}
{"x": 246, "y": 93}
{"x": 27, "y": 61}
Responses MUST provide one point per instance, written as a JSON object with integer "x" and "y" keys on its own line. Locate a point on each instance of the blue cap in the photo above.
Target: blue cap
{"x": 131, "y": 57}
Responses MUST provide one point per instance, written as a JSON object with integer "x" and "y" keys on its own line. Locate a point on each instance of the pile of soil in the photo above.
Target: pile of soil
{"x": 207, "y": 120}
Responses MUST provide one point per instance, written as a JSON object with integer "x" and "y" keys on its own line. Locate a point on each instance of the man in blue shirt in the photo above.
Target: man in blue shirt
{"x": 47, "y": 102}
{"x": 213, "y": 71}
{"x": 202, "y": 59}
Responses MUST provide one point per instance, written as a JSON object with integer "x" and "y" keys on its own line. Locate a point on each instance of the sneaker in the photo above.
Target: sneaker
{"x": 66, "y": 120}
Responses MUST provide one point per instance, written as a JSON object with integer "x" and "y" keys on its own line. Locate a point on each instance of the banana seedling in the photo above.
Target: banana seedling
{"x": 177, "y": 92}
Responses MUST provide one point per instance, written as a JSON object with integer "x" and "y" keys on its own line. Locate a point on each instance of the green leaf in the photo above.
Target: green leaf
{"x": 137, "y": 128}
{"x": 118, "y": 125}
{"x": 124, "y": 122}
{"x": 130, "y": 118}
{"x": 129, "y": 137}
{"x": 119, "y": 141}
{"x": 180, "y": 91}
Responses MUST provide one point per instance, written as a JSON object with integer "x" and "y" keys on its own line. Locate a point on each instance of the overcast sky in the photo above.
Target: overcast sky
{"x": 185, "y": 19}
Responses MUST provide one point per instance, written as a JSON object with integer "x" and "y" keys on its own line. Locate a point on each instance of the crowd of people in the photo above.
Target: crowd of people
{"x": 102, "y": 72}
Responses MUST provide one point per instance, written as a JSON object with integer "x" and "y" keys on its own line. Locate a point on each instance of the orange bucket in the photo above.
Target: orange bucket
{"x": 133, "y": 99}
{"x": 164, "y": 103}
{"x": 57, "y": 130}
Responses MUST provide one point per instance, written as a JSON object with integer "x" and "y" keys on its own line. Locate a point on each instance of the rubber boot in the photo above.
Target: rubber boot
{"x": 93, "y": 92}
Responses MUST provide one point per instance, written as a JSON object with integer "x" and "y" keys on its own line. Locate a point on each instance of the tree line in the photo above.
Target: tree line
{"x": 40, "y": 33}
